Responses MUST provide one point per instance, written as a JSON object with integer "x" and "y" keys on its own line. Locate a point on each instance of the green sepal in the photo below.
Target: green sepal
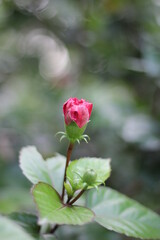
{"x": 74, "y": 133}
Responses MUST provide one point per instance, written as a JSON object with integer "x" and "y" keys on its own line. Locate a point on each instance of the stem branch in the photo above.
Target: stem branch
{"x": 69, "y": 152}
{"x": 77, "y": 197}
{"x": 54, "y": 228}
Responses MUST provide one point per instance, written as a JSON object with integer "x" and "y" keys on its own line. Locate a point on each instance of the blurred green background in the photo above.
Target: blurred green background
{"x": 106, "y": 51}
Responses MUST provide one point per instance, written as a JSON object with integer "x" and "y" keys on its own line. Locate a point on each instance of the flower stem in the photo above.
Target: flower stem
{"x": 69, "y": 152}
{"x": 77, "y": 197}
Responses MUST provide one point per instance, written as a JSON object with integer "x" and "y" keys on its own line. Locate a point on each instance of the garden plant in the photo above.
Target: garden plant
{"x": 73, "y": 192}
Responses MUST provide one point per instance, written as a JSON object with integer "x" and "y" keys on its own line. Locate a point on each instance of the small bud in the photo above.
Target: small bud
{"x": 68, "y": 189}
{"x": 89, "y": 177}
{"x": 76, "y": 184}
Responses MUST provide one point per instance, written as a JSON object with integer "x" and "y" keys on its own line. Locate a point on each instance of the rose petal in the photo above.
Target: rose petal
{"x": 78, "y": 111}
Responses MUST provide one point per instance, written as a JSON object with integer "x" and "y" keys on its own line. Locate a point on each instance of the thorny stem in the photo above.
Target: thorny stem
{"x": 77, "y": 197}
{"x": 69, "y": 152}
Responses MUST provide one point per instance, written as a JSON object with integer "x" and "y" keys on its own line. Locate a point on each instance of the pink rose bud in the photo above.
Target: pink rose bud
{"x": 76, "y": 114}
{"x": 78, "y": 111}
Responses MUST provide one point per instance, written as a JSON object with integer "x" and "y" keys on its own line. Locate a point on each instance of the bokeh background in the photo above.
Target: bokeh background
{"x": 105, "y": 51}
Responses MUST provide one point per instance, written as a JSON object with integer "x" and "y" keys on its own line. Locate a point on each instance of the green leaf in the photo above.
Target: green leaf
{"x": 78, "y": 168}
{"x": 48, "y": 237}
{"x": 9, "y": 230}
{"x": 26, "y": 221}
{"x": 121, "y": 214}
{"x": 34, "y": 166}
{"x": 90, "y": 231}
{"x": 37, "y": 170}
{"x": 56, "y": 166}
{"x": 52, "y": 210}
{"x": 14, "y": 198}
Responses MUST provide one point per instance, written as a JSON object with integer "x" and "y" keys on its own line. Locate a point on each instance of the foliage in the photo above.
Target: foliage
{"x": 121, "y": 214}
{"x": 78, "y": 169}
{"x": 105, "y": 51}
{"x": 52, "y": 210}
{"x": 11, "y": 230}
{"x": 111, "y": 209}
